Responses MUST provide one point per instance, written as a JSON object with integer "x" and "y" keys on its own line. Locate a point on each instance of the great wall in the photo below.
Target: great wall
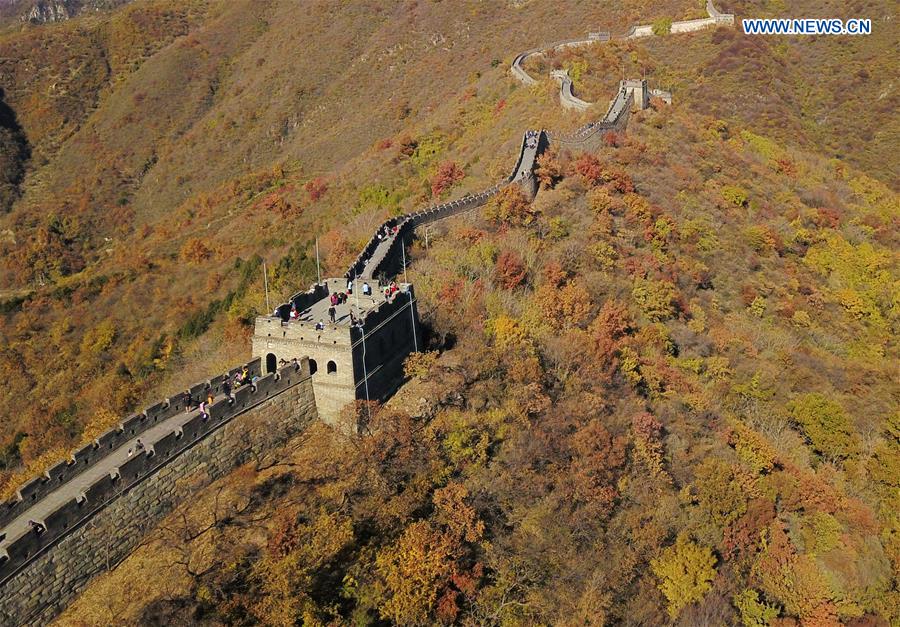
{"x": 567, "y": 97}
{"x": 87, "y": 513}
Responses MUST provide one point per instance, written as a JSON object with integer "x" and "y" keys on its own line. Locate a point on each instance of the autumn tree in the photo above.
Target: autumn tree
{"x": 564, "y": 307}
{"x": 412, "y": 572}
{"x": 827, "y": 426}
{"x": 656, "y": 298}
{"x": 685, "y": 571}
{"x": 509, "y": 269}
{"x": 448, "y": 174}
{"x": 549, "y": 171}
{"x": 510, "y": 207}
{"x": 195, "y": 250}
{"x": 297, "y": 554}
{"x": 646, "y": 432}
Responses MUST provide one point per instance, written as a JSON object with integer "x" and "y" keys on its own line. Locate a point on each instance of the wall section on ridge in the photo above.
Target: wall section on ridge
{"x": 49, "y": 582}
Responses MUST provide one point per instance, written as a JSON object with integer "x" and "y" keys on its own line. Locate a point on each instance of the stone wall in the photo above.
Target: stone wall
{"x": 567, "y": 98}
{"x": 389, "y": 334}
{"x": 330, "y": 357}
{"x": 126, "y": 507}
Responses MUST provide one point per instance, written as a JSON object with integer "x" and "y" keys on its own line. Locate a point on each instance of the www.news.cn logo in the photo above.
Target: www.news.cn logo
{"x": 830, "y": 26}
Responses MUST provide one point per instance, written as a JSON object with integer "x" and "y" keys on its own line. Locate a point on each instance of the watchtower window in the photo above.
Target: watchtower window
{"x": 271, "y": 362}
{"x": 332, "y": 367}
{"x": 313, "y": 366}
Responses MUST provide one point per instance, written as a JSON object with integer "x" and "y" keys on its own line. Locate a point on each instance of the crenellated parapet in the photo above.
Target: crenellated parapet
{"x": 72, "y": 491}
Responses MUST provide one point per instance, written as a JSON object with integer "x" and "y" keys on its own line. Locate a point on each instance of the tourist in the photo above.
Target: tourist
{"x": 366, "y": 289}
{"x": 349, "y": 286}
{"x": 320, "y": 325}
{"x": 294, "y": 313}
{"x": 203, "y": 413}
{"x": 331, "y": 313}
{"x": 242, "y": 377}
{"x": 36, "y": 526}
{"x": 139, "y": 446}
{"x": 226, "y": 386}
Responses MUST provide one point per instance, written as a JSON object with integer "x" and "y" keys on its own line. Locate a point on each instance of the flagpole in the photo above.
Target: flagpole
{"x": 412, "y": 313}
{"x": 318, "y": 273}
{"x": 266, "y": 283}
{"x": 403, "y": 250}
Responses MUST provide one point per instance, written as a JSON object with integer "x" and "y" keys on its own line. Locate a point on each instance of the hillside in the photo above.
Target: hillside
{"x": 662, "y": 363}
{"x": 679, "y": 359}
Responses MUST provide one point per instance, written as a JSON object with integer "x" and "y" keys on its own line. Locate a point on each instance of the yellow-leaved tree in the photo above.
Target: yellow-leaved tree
{"x": 685, "y": 571}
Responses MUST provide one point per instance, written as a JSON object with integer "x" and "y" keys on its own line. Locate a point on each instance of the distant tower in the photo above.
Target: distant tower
{"x": 348, "y": 363}
{"x": 639, "y": 88}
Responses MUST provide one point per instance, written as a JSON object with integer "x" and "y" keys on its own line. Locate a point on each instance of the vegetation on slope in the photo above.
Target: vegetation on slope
{"x": 670, "y": 398}
{"x": 669, "y": 395}
{"x": 176, "y": 144}
{"x": 833, "y": 95}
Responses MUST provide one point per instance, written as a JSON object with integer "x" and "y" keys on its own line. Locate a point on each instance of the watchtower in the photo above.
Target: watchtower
{"x": 359, "y": 356}
{"x": 639, "y": 88}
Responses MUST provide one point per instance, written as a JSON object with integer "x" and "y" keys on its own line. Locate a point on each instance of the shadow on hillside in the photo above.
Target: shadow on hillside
{"x": 15, "y": 151}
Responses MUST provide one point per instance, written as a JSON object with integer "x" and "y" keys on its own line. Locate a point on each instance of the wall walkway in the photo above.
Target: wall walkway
{"x": 567, "y": 97}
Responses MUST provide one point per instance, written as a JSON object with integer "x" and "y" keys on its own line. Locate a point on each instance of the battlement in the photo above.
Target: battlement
{"x": 168, "y": 429}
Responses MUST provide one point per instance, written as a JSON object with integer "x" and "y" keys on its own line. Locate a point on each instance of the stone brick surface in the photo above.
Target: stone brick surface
{"x": 50, "y": 581}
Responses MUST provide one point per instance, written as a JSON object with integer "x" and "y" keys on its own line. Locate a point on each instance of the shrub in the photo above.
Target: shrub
{"x": 826, "y": 425}
{"x": 378, "y": 196}
{"x": 510, "y": 270}
{"x": 448, "y": 174}
{"x": 420, "y": 365}
{"x": 316, "y": 188}
{"x": 734, "y": 195}
{"x": 662, "y": 26}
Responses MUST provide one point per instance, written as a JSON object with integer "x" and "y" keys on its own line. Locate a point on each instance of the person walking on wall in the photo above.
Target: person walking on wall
{"x": 331, "y": 313}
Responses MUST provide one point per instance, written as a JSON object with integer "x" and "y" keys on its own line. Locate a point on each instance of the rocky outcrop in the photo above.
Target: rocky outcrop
{"x": 46, "y": 11}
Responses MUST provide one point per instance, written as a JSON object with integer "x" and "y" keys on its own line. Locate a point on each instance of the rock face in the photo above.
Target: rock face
{"x": 45, "y": 11}
{"x": 49, "y": 11}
